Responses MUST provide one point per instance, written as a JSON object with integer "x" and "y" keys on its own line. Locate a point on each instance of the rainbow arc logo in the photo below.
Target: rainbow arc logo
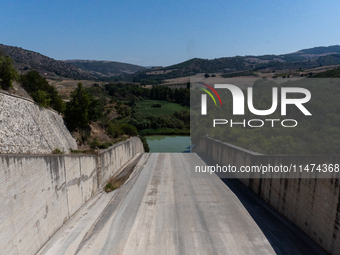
{"x": 204, "y": 97}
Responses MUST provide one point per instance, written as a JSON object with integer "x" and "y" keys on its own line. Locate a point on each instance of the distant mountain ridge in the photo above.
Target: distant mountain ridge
{"x": 303, "y": 59}
{"x": 111, "y": 70}
{"x": 322, "y": 50}
{"x": 78, "y": 69}
{"x": 106, "y": 68}
{"x": 29, "y": 60}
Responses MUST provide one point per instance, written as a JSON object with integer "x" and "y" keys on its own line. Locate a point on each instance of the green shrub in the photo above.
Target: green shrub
{"x": 109, "y": 144}
{"x": 75, "y": 151}
{"x": 57, "y": 151}
{"x": 95, "y": 144}
{"x": 90, "y": 151}
{"x": 109, "y": 187}
{"x": 114, "y": 130}
{"x": 145, "y": 144}
{"x": 110, "y": 129}
{"x": 105, "y": 145}
{"x": 129, "y": 129}
{"x": 42, "y": 98}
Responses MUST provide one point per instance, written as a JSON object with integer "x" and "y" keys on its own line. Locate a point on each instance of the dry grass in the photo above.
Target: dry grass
{"x": 66, "y": 86}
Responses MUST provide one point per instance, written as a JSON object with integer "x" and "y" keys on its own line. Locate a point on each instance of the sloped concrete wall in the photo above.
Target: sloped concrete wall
{"x": 27, "y": 128}
{"x": 116, "y": 157}
{"x": 39, "y": 193}
{"x": 311, "y": 204}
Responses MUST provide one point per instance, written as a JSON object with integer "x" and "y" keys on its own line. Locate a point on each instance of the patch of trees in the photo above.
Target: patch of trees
{"x": 134, "y": 92}
{"x": 180, "y": 96}
{"x": 8, "y": 73}
{"x": 115, "y": 130}
{"x": 177, "y": 120}
{"x": 41, "y": 91}
{"x": 82, "y": 108}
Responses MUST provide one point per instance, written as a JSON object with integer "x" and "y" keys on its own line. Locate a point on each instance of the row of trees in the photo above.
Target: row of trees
{"x": 127, "y": 91}
{"x": 178, "y": 120}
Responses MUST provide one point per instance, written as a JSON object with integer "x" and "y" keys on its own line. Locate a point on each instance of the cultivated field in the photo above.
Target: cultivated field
{"x": 66, "y": 85}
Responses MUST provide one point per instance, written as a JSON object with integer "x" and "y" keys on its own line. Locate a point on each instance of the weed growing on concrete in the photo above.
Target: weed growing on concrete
{"x": 57, "y": 151}
{"x": 109, "y": 187}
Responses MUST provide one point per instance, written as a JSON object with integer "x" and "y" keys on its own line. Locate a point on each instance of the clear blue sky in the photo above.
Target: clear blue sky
{"x": 166, "y": 32}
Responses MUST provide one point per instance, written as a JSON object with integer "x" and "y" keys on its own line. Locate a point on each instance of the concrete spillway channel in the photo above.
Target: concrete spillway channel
{"x": 163, "y": 208}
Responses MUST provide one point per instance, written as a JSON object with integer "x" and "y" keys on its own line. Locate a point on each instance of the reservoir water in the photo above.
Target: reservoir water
{"x": 166, "y": 143}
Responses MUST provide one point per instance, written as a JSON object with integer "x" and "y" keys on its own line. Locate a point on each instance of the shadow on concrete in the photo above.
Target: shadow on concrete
{"x": 285, "y": 237}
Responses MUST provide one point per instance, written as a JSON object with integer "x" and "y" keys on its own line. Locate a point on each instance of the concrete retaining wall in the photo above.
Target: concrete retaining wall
{"x": 111, "y": 160}
{"x": 39, "y": 193}
{"x": 27, "y": 128}
{"x": 311, "y": 204}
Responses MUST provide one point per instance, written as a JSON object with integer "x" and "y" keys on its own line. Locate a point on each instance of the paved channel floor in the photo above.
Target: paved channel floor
{"x": 164, "y": 208}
